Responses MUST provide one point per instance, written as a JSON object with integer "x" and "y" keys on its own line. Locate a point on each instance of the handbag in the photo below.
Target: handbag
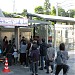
{"x": 59, "y": 59}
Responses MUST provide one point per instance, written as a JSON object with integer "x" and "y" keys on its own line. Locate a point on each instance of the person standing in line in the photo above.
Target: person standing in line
{"x": 43, "y": 53}
{"x": 61, "y": 60}
{"x": 9, "y": 52}
{"x": 23, "y": 53}
{"x": 15, "y": 54}
{"x": 50, "y": 58}
{"x": 23, "y": 39}
{"x": 5, "y": 44}
{"x": 28, "y": 51}
{"x": 34, "y": 55}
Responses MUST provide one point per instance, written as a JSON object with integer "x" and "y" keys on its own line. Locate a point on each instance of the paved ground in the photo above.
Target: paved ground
{"x": 20, "y": 70}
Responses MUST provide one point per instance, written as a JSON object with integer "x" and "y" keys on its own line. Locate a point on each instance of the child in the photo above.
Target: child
{"x": 15, "y": 54}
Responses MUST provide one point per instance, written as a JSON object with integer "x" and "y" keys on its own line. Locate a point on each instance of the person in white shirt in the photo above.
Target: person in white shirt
{"x": 15, "y": 54}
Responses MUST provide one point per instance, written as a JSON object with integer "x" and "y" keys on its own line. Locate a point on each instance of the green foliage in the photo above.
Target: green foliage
{"x": 43, "y": 10}
{"x": 46, "y": 7}
{"x": 39, "y": 10}
{"x": 17, "y": 17}
{"x": 53, "y": 11}
{"x": 24, "y": 13}
{"x": 61, "y": 12}
{"x": 7, "y": 14}
{"x": 71, "y": 13}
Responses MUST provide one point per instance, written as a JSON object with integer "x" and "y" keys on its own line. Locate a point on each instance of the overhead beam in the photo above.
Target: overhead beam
{"x": 38, "y": 21}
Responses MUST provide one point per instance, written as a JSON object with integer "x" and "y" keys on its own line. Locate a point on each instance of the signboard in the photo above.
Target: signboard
{"x": 63, "y": 27}
{"x": 13, "y": 21}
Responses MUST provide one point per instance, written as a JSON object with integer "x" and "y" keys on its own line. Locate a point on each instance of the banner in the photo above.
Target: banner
{"x": 13, "y": 21}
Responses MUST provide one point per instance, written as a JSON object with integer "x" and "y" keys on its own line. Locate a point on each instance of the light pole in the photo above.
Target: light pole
{"x": 56, "y": 9}
{"x": 13, "y": 6}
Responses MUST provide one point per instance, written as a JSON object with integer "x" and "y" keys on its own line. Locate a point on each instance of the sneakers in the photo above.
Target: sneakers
{"x": 35, "y": 74}
{"x": 51, "y": 71}
{"x": 40, "y": 68}
{"x": 47, "y": 72}
{"x": 45, "y": 67}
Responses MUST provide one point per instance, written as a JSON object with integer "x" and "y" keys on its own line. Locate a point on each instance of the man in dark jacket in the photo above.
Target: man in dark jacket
{"x": 34, "y": 59}
{"x": 43, "y": 53}
{"x": 9, "y": 52}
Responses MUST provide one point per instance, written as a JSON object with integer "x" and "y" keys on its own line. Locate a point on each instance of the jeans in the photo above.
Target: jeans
{"x": 15, "y": 60}
{"x": 48, "y": 64}
{"x": 42, "y": 62}
{"x": 34, "y": 67}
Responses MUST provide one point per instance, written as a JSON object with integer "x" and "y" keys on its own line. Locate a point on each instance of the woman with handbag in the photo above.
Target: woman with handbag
{"x": 61, "y": 60}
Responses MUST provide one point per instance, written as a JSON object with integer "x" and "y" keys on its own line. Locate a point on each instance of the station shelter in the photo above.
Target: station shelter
{"x": 17, "y": 27}
{"x": 62, "y": 31}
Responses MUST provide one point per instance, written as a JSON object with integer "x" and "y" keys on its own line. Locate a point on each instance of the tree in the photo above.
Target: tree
{"x": 61, "y": 12}
{"x": 39, "y": 10}
{"x": 6, "y": 14}
{"x": 53, "y": 11}
{"x": 71, "y": 13}
{"x": 24, "y": 13}
{"x": 47, "y": 7}
{"x": 12, "y": 15}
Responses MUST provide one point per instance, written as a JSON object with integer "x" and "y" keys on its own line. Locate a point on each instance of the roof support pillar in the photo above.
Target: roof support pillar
{"x": 34, "y": 31}
{"x": 47, "y": 34}
{"x": 74, "y": 37}
{"x": 17, "y": 37}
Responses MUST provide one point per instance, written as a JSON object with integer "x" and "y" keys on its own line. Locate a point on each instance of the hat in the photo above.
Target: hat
{"x": 15, "y": 50}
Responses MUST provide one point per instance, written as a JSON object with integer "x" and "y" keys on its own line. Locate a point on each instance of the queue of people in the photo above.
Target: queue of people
{"x": 36, "y": 54}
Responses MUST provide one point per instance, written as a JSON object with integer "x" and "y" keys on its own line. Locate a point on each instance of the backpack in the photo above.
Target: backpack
{"x": 35, "y": 55}
{"x": 59, "y": 59}
{"x": 43, "y": 49}
{"x": 50, "y": 54}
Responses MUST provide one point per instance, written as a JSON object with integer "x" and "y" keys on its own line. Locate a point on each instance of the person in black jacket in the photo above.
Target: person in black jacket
{"x": 43, "y": 53}
{"x": 9, "y": 52}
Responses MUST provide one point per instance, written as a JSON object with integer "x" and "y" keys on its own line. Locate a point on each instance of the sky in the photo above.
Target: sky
{"x": 8, "y": 5}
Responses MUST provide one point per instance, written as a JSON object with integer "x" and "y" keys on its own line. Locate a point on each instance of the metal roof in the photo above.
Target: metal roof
{"x": 33, "y": 15}
{"x": 53, "y": 18}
